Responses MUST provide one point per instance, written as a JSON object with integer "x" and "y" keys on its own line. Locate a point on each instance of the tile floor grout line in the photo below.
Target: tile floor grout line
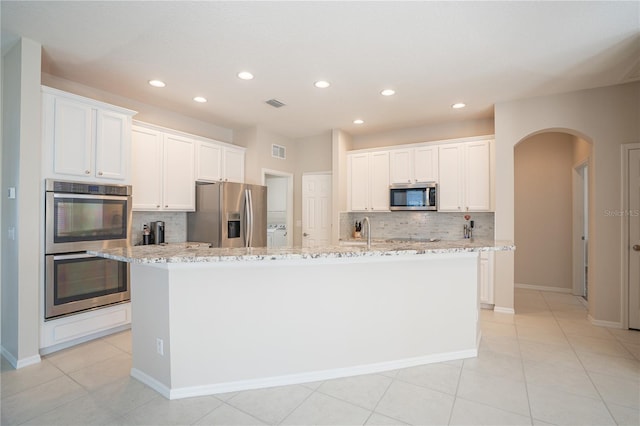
{"x": 298, "y": 406}
{"x": 524, "y": 373}
{"x": 455, "y": 395}
{"x": 582, "y": 364}
{"x": 380, "y": 399}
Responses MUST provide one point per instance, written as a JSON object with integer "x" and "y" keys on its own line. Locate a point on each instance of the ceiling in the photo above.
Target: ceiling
{"x": 431, "y": 53}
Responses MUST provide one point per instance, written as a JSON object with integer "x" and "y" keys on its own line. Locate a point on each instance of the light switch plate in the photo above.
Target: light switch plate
{"x": 12, "y": 192}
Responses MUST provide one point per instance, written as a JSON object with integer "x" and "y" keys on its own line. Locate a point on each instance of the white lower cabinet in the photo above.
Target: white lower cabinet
{"x": 163, "y": 171}
{"x": 485, "y": 277}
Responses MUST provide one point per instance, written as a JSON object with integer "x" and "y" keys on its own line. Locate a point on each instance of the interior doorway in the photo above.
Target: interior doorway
{"x": 316, "y": 209}
{"x": 631, "y": 231}
{"x": 279, "y": 207}
{"x": 551, "y": 197}
{"x": 580, "y": 177}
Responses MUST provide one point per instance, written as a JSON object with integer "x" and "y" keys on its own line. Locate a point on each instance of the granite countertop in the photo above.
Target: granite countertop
{"x": 201, "y": 252}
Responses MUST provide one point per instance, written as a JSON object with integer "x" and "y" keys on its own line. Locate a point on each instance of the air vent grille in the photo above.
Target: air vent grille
{"x": 278, "y": 151}
{"x": 275, "y": 103}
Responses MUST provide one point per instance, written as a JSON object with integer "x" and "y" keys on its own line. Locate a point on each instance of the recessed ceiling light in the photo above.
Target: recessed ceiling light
{"x": 358, "y": 121}
{"x": 321, "y": 84}
{"x": 200, "y": 99}
{"x": 388, "y": 92}
{"x": 245, "y": 75}
{"x": 157, "y": 83}
{"x": 458, "y": 105}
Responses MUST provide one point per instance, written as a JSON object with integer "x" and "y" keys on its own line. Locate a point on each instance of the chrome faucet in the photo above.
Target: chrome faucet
{"x": 366, "y": 219}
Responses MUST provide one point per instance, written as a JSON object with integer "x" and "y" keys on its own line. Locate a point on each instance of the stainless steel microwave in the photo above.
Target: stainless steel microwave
{"x": 413, "y": 196}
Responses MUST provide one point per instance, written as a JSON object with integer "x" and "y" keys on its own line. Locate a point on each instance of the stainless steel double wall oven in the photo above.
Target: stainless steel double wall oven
{"x": 79, "y": 217}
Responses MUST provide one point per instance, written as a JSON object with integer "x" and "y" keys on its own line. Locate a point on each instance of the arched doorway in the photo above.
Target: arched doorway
{"x": 550, "y": 211}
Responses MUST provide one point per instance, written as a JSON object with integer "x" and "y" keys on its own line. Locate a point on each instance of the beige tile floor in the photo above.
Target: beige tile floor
{"x": 545, "y": 365}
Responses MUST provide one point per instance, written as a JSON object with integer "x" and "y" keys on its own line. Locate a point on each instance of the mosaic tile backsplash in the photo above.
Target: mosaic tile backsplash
{"x": 418, "y": 225}
{"x": 175, "y": 226}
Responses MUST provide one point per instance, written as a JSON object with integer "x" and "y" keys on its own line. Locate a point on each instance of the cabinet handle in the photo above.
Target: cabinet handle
{"x": 636, "y": 247}
{"x": 86, "y": 172}
{"x": 166, "y": 207}
{"x": 157, "y": 206}
{"x": 99, "y": 173}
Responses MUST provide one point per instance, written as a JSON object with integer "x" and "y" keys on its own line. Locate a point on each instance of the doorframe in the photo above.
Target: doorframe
{"x": 624, "y": 229}
{"x": 326, "y": 173}
{"x": 289, "y": 176}
{"x": 578, "y": 170}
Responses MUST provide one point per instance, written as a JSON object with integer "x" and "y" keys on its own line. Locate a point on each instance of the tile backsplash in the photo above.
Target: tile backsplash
{"x": 418, "y": 225}
{"x": 175, "y": 225}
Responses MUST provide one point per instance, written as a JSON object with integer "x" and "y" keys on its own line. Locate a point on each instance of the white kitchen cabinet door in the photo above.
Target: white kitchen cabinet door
{"x": 233, "y": 165}
{"x": 146, "y": 169}
{"x": 178, "y": 181}
{"x": 358, "y": 176}
{"x": 72, "y": 140}
{"x": 485, "y": 276}
{"x": 450, "y": 188}
{"x": 85, "y": 140}
{"x": 208, "y": 162}
{"x": 113, "y": 142}
{"x": 379, "y": 181}
{"x": 464, "y": 182}
{"x": 425, "y": 164}
{"x": 401, "y": 166}
{"x": 478, "y": 176}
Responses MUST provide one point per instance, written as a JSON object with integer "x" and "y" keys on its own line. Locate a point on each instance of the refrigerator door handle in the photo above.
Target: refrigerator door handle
{"x": 249, "y": 218}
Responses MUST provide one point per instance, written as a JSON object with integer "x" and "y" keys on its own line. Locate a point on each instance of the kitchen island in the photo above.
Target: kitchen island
{"x": 208, "y": 320}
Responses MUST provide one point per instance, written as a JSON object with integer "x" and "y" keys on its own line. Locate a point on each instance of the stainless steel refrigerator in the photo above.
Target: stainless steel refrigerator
{"x": 229, "y": 214}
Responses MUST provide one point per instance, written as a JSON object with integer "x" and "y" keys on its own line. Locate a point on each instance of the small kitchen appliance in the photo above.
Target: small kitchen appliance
{"x": 157, "y": 232}
{"x": 413, "y": 196}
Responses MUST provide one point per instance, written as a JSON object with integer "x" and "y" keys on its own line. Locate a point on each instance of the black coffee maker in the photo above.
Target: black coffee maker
{"x": 157, "y": 232}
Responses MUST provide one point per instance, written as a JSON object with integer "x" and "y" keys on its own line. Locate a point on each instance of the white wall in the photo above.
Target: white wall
{"x": 146, "y": 113}
{"x": 543, "y": 210}
{"x": 21, "y": 264}
{"x": 608, "y": 117}
{"x": 435, "y": 132}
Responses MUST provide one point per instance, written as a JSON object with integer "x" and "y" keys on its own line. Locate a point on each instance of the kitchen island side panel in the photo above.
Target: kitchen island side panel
{"x": 239, "y": 325}
{"x": 151, "y": 315}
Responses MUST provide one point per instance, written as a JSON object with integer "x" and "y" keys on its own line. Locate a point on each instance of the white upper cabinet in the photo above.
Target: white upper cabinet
{"x": 368, "y": 181}
{"x": 465, "y": 176}
{"x": 85, "y": 140}
{"x": 411, "y": 165}
{"x": 233, "y": 164}
{"x": 163, "y": 171}
{"x": 178, "y": 174}
{"x": 208, "y": 162}
{"x": 147, "y": 153}
{"x": 219, "y": 162}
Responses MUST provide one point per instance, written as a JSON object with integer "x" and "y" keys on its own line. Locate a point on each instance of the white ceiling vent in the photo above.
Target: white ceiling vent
{"x": 278, "y": 151}
{"x": 275, "y": 103}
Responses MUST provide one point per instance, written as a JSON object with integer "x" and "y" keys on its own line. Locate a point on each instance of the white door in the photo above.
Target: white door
{"x": 316, "y": 210}
{"x": 634, "y": 238}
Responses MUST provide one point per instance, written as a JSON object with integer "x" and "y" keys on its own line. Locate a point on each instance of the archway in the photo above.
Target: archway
{"x": 550, "y": 211}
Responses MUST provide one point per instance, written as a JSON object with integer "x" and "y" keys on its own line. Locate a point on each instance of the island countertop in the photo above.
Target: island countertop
{"x": 201, "y": 252}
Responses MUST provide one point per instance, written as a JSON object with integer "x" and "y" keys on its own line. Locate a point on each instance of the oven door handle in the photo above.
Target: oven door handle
{"x": 90, "y": 197}
{"x": 72, "y": 256}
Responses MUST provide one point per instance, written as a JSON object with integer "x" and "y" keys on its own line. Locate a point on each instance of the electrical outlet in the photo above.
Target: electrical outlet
{"x": 160, "y": 346}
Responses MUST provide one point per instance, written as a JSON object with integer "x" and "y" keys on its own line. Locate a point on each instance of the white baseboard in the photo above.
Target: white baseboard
{"x": 292, "y": 379}
{"x": 601, "y": 323}
{"x": 544, "y": 288}
{"x": 503, "y": 310}
{"x": 19, "y": 363}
